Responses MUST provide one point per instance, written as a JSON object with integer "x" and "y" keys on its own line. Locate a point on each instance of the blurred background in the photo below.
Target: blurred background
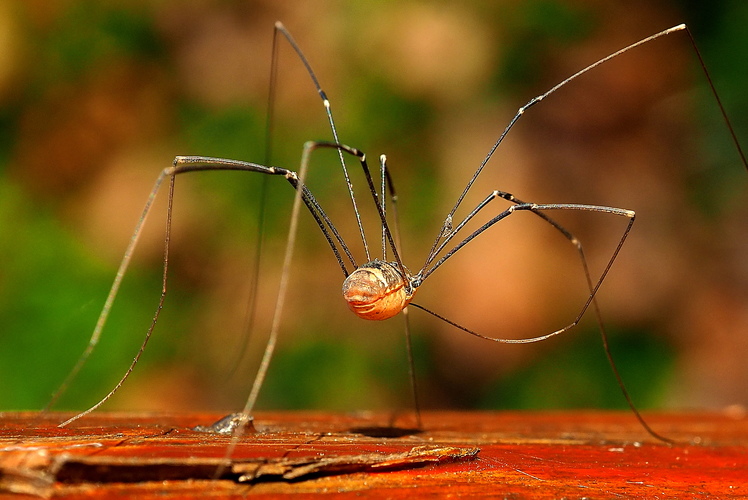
{"x": 96, "y": 98}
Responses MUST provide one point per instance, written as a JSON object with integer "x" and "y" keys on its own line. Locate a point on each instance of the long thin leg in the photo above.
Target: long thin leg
{"x": 412, "y": 368}
{"x": 383, "y": 202}
{"x": 593, "y": 288}
{"x": 722, "y": 110}
{"x": 447, "y": 225}
{"x": 279, "y": 304}
{"x": 328, "y": 110}
{"x": 387, "y": 183}
{"x": 285, "y": 275}
{"x": 592, "y": 297}
{"x": 181, "y": 165}
{"x": 104, "y": 315}
{"x": 617, "y": 374}
{"x": 373, "y": 191}
{"x": 113, "y": 293}
{"x": 394, "y": 198}
{"x": 537, "y": 209}
{"x": 447, "y": 231}
{"x": 254, "y": 277}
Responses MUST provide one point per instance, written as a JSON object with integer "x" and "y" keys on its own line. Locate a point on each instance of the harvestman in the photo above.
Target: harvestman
{"x": 380, "y": 288}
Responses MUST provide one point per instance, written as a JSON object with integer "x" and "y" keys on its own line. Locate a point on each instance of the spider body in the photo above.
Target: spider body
{"x": 378, "y": 290}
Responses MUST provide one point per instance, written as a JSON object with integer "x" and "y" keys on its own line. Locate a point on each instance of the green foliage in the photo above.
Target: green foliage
{"x": 92, "y": 33}
{"x": 576, "y": 374}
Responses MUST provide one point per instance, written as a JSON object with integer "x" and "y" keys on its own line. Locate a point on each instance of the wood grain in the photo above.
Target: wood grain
{"x": 507, "y": 454}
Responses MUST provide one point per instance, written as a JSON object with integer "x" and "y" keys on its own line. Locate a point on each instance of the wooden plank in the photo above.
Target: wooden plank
{"x": 546, "y": 455}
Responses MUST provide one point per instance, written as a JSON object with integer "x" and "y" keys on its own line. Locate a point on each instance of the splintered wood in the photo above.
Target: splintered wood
{"x": 549, "y": 455}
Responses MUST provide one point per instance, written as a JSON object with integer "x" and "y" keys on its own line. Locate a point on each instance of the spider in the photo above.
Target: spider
{"x": 380, "y": 287}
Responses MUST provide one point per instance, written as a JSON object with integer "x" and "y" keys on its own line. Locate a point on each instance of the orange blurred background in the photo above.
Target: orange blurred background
{"x": 98, "y": 97}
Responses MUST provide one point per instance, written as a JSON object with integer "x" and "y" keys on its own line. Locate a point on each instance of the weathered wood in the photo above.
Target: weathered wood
{"x": 546, "y": 455}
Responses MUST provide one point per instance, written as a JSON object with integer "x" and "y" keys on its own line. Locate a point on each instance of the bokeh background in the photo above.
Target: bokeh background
{"x": 97, "y": 97}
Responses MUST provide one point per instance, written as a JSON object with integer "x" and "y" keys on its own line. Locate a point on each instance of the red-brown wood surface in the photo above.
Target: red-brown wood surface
{"x": 544, "y": 455}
